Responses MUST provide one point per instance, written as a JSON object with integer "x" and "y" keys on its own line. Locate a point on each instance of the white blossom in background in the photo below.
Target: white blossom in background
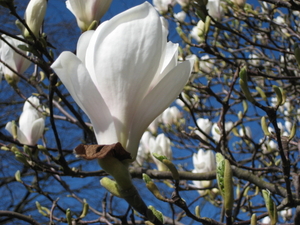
{"x": 204, "y": 161}
{"x": 215, "y": 10}
{"x": 286, "y": 214}
{"x": 180, "y": 16}
{"x": 183, "y": 3}
{"x": 205, "y": 125}
{"x": 146, "y": 142}
{"x": 288, "y": 125}
{"x": 16, "y": 61}
{"x": 246, "y": 130}
{"x": 31, "y": 123}
{"x": 123, "y": 82}
{"x": 216, "y": 131}
{"x": 206, "y": 64}
{"x": 198, "y": 32}
{"x": 87, "y": 11}
{"x": 266, "y": 220}
{"x": 269, "y": 146}
{"x": 34, "y": 17}
{"x": 170, "y": 116}
{"x": 240, "y": 3}
{"x": 161, "y": 146}
{"x": 254, "y": 59}
{"x": 162, "y": 6}
{"x": 153, "y": 126}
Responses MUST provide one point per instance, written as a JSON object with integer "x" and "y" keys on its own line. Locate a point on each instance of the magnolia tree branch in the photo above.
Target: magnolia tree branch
{"x": 19, "y": 216}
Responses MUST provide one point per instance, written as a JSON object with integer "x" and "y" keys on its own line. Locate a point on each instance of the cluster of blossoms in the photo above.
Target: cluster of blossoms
{"x": 150, "y": 144}
{"x": 14, "y": 61}
{"x": 170, "y": 116}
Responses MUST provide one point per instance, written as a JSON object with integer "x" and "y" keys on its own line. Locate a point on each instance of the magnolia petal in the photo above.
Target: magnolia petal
{"x": 20, "y": 136}
{"x": 36, "y": 131}
{"x": 168, "y": 63}
{"x": 76, "y": 78}
{"x": 126, "y": 79}
{"x": 87, "y": 11}
{"x": 170, "y": 86}
{"x": 83, "y": 43}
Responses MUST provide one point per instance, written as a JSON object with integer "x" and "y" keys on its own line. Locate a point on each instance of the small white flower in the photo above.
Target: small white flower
{"x": 204, "y": 161}
{"x": 34, "y": 16}
{"x": 205, "y": 125}
{"x": 31, "y": 123}
{"x": 161, "y": 146}
{"x": 87, "y": 11}
{"x": 286, "y": 214}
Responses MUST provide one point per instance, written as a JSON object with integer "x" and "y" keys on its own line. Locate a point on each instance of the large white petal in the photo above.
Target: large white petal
{"x": 83, "y": 43}
{"x": 36, "y": 131}
{"x": 76, "y": 78}
{"x": 124, "y": 56}
{"x": 168, "y": 62}
{"x": 160, "y": 97}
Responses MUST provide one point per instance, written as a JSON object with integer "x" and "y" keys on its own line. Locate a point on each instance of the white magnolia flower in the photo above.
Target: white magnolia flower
{"x": 31, "y": 123}
{"x": 14, "y": 60}
{"x": 288, "y": 125}
{"x": 215, "y": 10}
{"x": 204, "y": 161}
{"x": 246, "y": 130}
{"x": 162, "y": 6}
{"x": 198, "y": 32}
{"x": 183, "y": 3}
{"x": 34, "y": 16}
{"x": 286, "y": 214}
{"x": 205, "y": 125}
{"x": 180, "y": 16}
{"x": 123, "y": 82}
{"x": 206, "y": 64}
{"x": 266, "y": 220}
{"x": 146, "y": 142}
{"x": 254, "y": 59}
{"x": 170, "y": 116}
{"x": 161, "y": 146}
{"x": 216, "y": 131}
{"x": 87, "y": 11}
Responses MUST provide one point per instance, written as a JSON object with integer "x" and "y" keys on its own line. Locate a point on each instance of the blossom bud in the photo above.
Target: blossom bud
{"x": 271, "y": 207}
{"x": 261, "y": 93}
{"x": 264, "y": 126}
{"x": 152, "y": 187}
{"x": 278, "y": 95}
{"x": 182, "y": 35}
{"x": 111, "y": 186}
{"x": 34, "y": 16}
{"x": 85, "y": 209}
{"x": 228, "y": 189}
{"x": 244, "y": 85}
{"x": 40, "y": 209}
{"x": 197, "y": 211}
{"x": 18, "y": 176}
{"x": 157, "y": 214}
{"x": 69, "y": 216}
{"x": 293, "y": 132}
{"x": 297, "y": 53}
{"x": 253, "y": 219}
